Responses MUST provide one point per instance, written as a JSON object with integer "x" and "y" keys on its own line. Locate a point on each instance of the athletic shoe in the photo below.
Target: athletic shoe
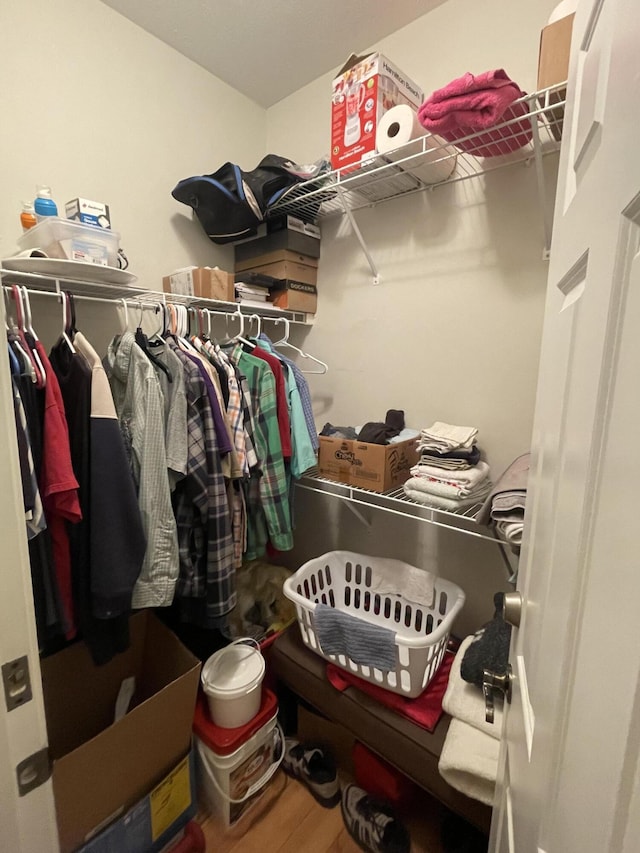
{"x": 373, "y": 824}
{"x": 313, "y": 766}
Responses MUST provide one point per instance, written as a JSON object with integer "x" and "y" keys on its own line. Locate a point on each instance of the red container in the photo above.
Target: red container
{"x": 225, "y": 741}
{"x": 381, "y": 779}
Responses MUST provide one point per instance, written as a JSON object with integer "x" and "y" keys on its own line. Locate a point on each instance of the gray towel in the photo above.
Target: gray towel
{"x": 342, "y": 634}
{"x": 513, "y": 480}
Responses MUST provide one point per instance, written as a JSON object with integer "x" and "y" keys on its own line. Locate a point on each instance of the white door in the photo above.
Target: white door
{"x": 27, "y": 822}
{"x": 569, "y": 765}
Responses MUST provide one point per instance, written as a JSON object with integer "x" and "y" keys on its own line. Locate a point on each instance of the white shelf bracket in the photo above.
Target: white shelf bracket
{"x": 360, "y": 238}
{"x": 547, "y": 217}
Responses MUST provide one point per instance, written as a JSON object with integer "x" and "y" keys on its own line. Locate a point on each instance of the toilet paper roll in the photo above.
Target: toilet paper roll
{"x": 399, "y": 126}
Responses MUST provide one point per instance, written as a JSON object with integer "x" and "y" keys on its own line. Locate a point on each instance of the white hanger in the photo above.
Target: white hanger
{"x": 65, "y": 324}
{"x": 126, "y": 315}
{"x": 11, "y": 326}
{"x": 27, "y": 326}
{"x": 284, "y": 342}
{"x": 258, "y": 320}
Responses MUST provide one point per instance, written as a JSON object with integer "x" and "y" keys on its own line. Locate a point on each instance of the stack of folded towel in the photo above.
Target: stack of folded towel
{"x": 505, "y": 504}
{"x": 450, "y": 474}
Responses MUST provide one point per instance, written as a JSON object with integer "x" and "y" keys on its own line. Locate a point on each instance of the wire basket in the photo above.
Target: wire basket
{"x": 358, "y": 586}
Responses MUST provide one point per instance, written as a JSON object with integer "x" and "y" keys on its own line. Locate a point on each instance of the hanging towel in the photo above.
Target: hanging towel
{"x": 469, "y": 761}
{"x": 465, "y": 701}
{"x": 508, "y": 496}
{"x": 342, "y": 634}
{"x": 400, "y": 580}
{"x": 474, "y": 103}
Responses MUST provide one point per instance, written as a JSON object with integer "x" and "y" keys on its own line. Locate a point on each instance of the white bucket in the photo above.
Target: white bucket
{"x": 232, "y": 682}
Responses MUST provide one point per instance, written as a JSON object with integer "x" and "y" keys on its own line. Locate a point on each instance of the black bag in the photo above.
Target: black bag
{"x": 231, "y": 203}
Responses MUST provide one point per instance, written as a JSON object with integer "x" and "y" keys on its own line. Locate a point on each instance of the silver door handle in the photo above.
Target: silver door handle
{"x": 512, "y": 608}
{"x": 491, "y": 683}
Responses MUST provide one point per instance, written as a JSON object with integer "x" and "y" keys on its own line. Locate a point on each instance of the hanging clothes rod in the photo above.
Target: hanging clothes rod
{"x": 116, "y": 303}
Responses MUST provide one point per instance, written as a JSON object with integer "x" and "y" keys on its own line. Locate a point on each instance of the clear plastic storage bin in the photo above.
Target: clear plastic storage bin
{"x": 67, "y": 240}
{"x": 359, "y": 586}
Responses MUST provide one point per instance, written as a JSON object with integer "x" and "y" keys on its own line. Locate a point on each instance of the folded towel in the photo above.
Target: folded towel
{"x": 511, "y": 531}
{"x": 438, "y": 502}
{"x": 513, "y": 479}
{"x": 442, "y": 489}
{"x": 466, "y": 701}
{"x": 445, "y": 437}
{"x": 470, "y": 104}
{"x": 342, "y": 634}
{"x": 464, "y": 480}
{"x": 469, "y": 761}
{"x": 460, "y": 458}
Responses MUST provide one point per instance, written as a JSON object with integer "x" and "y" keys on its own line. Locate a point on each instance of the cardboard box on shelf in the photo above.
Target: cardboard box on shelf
{"x": 295, "y": 296}
{"x": 553, "y": 66}
{"x": 202, "y": 282}
{"x": 377, "y": 467}
{"x": 284, "y": 221}
{"x": 288, "y": 239}
{"x": 362, "y": 92}
{"x": 100, "y": 767}
{"x": 275, "y": 257}
{"x": 156, "y": 819}
{"x": 286, "y": 269}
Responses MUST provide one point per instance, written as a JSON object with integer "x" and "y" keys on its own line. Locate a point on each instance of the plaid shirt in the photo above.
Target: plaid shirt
{"x": 268, "y": 512}
{"x": 202, "y": 511}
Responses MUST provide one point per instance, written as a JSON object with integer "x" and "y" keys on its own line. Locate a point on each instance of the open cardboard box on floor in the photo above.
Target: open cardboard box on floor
{"x": 102, "y": 767}
{"x": 377, "y": 467}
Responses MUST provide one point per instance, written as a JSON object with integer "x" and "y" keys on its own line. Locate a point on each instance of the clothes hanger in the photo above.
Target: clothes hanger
{"x": 239, "y": 337}
{"x": 284, "y": 342}
{"x": 183, "y": 328}
{"x": 34, "y": 358}
{"x": 29, "y": 328}
{"x": 16, "y": 346}
{"x": 65, "y": 322}
{"x": 126, "y": 315}
{"x": 143, "y": 343}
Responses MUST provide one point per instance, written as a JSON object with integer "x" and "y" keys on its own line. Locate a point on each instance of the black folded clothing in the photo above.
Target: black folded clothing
{"x": 380, "y": 433}
{"x": 491, "y": 649}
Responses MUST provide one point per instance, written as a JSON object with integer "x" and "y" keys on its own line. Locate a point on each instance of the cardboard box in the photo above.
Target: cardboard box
{"x": 364, "y": 89}
{"x": 553, "y": 66}
{"x": 287, "y": 239}
{"x": 88, "y": 212}
{"x": 377, "y": 467}
{"x": 286, "y": 269}
{"x": 295, "y": 296}
{"x": 275, "y": 257}
{"x": 156, "y": 819}
{"x": 102, "y": 767}
{"x": 284, "y": 221}
{"x": 202, "y": 282}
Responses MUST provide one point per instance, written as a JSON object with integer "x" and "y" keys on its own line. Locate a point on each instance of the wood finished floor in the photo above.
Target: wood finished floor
{"x": 287, "y": 819}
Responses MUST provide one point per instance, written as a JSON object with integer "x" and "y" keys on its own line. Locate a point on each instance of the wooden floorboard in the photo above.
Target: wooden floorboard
{"x": 287, "y": 819}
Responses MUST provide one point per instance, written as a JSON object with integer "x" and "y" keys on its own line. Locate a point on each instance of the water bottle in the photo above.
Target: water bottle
{"x": 44, "y": 205}
{"x": 27, "y": 216}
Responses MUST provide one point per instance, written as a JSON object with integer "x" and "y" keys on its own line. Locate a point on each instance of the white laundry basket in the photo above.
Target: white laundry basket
{"x": 351, "y": 583}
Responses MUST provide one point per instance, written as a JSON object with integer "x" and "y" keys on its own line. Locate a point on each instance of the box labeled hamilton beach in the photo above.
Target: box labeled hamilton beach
{"x": 89, "y": 212}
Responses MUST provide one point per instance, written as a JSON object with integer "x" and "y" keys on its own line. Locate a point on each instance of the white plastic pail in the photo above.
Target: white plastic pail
{"x": 232, "y": 682}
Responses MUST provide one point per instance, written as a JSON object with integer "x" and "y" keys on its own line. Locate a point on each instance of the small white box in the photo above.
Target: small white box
{"x": 88, "y": 212}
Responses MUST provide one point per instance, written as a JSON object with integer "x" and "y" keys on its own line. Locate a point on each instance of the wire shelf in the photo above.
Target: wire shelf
{"x": 396, "y": 502}
{"x": 531, "y": 127}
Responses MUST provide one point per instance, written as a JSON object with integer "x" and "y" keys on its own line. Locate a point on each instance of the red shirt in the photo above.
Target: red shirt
{"x": 282, "y": 409}
{"x": 58, "y": 488}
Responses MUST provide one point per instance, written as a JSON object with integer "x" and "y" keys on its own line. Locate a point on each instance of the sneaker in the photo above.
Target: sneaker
{"x": 373, "y": 824}
{"x": 313, "y": 766}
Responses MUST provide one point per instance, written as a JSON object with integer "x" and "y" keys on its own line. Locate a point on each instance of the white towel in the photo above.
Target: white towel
{"x": 437, "y": 502}
{"x": 465, "y": 701}
{"x": 469, "y": 761}
{"x": 445, "y": 437}
{"x": 464, "y": 479}
{"x": 391, "y": 577}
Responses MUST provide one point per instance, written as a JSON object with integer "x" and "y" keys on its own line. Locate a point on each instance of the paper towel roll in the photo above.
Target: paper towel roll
{"x": 399, "y": 126}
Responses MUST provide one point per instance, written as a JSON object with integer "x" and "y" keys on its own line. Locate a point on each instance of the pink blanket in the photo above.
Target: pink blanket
{"x": 471, "y": 104}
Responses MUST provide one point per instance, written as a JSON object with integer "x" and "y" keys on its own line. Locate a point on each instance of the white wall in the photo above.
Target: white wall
{"x": 96, "y": 107}
{"x": 453, "y": 331}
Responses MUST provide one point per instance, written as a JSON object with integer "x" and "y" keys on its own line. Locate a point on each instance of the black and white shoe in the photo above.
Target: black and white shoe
{"x": 313, "y": 766}
{"x": 373, "y": 824}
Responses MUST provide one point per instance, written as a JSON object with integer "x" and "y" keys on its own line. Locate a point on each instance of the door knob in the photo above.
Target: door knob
{"x": 493, "y": 682}
{"x": 512, "y": 608}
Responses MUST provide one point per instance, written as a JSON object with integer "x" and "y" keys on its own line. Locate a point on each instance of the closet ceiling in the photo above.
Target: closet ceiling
{"x": 268, "y": 49}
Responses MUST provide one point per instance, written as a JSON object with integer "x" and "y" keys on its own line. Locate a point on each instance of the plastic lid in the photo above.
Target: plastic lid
{"x": 233, "y": 669}
{"x": 225, "y": 741}
{"x": 28, "y": 207}
{"x": 43, "y": 191}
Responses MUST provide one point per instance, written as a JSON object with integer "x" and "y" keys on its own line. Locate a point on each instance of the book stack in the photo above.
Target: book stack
{"x": 252, "y": 289}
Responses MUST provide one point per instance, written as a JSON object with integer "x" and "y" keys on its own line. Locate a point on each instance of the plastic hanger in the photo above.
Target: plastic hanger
{"x": 65, "y": 322}
{"x": 29, "y": 328}
{"x": 284, "y": 342}
{"x": 16, "y": 346}
{"x": 34, "y": 358}
{"x": 143, "y": 343}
